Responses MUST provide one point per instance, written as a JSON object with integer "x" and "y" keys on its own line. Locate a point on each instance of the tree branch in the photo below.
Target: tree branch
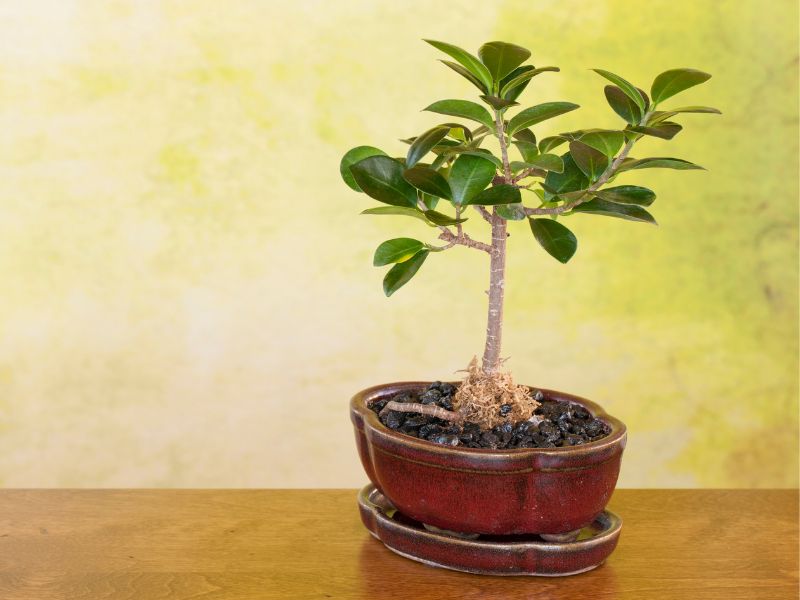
{"x": 586, "y": 196}
{"x": 462, "y": 240}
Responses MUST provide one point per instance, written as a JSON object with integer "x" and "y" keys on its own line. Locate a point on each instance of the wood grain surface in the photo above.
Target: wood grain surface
{"x": 308, "y": 544}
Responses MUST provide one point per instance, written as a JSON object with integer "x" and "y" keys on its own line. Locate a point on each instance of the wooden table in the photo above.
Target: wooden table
{"x": 305, "y": 544}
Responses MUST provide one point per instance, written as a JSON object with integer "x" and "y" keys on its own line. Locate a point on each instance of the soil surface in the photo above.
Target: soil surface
{"x": 555, "y": 424}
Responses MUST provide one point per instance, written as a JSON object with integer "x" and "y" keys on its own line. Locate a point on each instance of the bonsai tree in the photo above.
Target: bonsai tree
{"x": 542, "y": 180}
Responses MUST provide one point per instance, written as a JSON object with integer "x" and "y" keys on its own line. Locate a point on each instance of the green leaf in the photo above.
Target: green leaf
{"x": 548, "y": 162}
{"x": 501, "y": 58}
{"x": 589, "y": 160}
{"x": 428, "y": 200}
{"x": 527, "y": 150}
{"x": 352, "y": 157}
{"x": 551, "y": 142}
{"x": 403, "y": 211}
{"x": 467, "y": 60}
{"x": 497, "y": 194}
{"x": 511, "y": 212}
{"x": 498, "y": 103}
{"x": 438, "y": 218}
{"x": 675, "y": 81}
{"x": 658, "y": 116}
{"x": 396, "y": 251}
{"x": 458, "y": 131}
{"x": 627, "y": 194}
{"x": 606, "y": 141}
{"x": 524, "y": 77}
{"x": 381, "y": 178}
{"x": 623, "y": 105}
{"x": 401, "y": 273}
{"x": 658, "y": 162}
{"x": 469, "y": 175}
{"x": 424, "y": 143}
{"x": 429, "y": 181}
{"x": 557, "y": 240}
{"x": 571, "y": 179}
{"x": 462, "y": 108}
{"x": 630, "y": 90}
{"x": 628, "y": 212}
{"x": 537, "y": 114}
{"x": 466, "y": 74}
{"x": 483, "y": 153}
{"x": 525, "y": 135}
{"x": 665, "y": 130}
{"x": 512, "y": 93}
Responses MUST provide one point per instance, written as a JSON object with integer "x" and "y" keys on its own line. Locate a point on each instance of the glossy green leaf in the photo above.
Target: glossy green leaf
{"x": 674, "y": 81}
{"x": 469, "y": 175}
{"x": 396, "y": 251}
{"x": 381, "y": 178}
{"x": 537, "y": 114}
{"x": 438, "y": 218}
{"x": 589, "y": 160}
{"x": 511, "y": 212}
{"x": 429, "y": 181}
{"x": 627, "y": 194}
{"x": 623, "y": 105}
{"x": 557, "y": 240}
{"x": 458, "y": 132}
{"x": 501, "y": 58}
{"x": 464, "y": 109}
{"x": 629, "y": 212}
{"x": 401, "y": 273}
{"x": 402, "y": 211}
{"x": 485, "y": 154}
{"x": 525, "y": 135}
{"x": 606, "y": 141}
{"x": 527, "y": 150}
{"x": 512, "y": 93}
{"x": 523, "y": 78}
{"x": 665, "y": 130}
{"x": 658, "y": 162}
{"x": 569, "y": 180}
{"x": 548, "y": 162}
{"x": 353, "y": 156}
{"x": 630, "y": 90}
{"x": 428, "y": 201}
{"x": 549, "y": 143}
{"x": 424, "y": 144}
{"x": 466, "y": 74}
{"x": 498, "y": 103}
{"x": 659, "y": 115}
{"x": 497, "y": 194}
{"x": 467, "y": 60}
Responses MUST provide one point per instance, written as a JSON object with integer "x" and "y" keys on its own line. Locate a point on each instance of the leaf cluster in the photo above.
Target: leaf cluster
{"x": 563, "y": 175}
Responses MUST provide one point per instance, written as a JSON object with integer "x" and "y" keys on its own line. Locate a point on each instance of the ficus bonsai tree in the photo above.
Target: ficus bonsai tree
{"x": 543, "y": 181}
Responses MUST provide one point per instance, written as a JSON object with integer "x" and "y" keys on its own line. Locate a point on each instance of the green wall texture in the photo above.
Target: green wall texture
{"x": 187, "y": 290}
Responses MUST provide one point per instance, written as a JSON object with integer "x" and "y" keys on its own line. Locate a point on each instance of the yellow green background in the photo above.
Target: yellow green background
{"x": 187, "y": 296}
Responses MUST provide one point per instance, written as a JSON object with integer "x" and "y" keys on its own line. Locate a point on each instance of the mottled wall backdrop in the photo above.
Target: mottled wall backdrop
{"x": 187, "y": 290}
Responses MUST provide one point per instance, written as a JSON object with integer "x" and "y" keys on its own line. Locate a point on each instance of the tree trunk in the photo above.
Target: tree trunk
{"x": 497, "y": 283}
{"x": 497, "y": 266}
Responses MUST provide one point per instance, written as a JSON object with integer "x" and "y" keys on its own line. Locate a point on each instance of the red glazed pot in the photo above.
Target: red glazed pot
{"x": 530, "y": 490}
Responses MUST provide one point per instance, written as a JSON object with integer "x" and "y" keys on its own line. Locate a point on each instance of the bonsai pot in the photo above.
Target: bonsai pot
{"x": 550, "y": 492}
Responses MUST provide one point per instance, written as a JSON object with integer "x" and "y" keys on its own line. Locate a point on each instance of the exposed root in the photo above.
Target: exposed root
{"x": 424, "y": 409}
{"x": 480, "y": 396}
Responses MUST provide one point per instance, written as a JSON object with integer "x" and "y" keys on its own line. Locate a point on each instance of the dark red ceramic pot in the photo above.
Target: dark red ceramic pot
{"x": 532, "y": 490}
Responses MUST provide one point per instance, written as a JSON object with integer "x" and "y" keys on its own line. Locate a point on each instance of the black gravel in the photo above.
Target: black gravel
{"x": 562, "y": 423}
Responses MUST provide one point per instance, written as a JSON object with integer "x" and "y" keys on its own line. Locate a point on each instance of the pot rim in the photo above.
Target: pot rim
{"x": 359, "y": 404}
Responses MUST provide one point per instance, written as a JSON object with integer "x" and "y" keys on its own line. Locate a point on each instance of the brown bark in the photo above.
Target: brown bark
{"x": 497, "y": 267}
